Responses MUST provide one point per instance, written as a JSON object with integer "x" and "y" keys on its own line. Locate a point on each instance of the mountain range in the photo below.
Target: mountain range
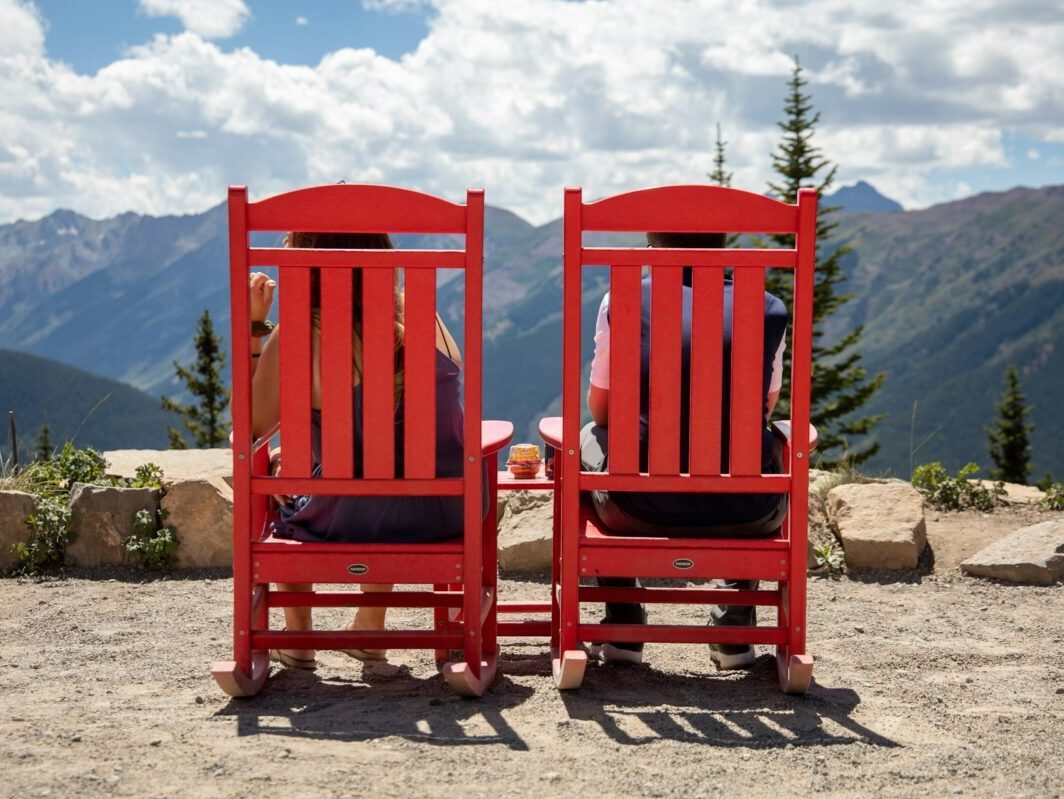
{"x": 948, "y": 295}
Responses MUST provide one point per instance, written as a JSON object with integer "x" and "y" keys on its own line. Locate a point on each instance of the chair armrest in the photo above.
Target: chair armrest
{"x": 494, "y": 435}
{"x": 783, "y": 430}
{"x": 550, "y": 430}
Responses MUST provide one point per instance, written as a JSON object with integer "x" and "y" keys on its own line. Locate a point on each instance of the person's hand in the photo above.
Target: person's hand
{"x": 275, "y": 470}
{"x": 260, "y": 290}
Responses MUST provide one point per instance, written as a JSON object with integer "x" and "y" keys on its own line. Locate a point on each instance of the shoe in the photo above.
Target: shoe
{"x": 365, "y": 655}
{"x": 615, "y": 653}
{"x": 291, "y": 661}
{"x": 732, "y": 656}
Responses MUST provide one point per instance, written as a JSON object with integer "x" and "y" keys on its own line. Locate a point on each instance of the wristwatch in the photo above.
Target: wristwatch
{"x": 263, "y": 328}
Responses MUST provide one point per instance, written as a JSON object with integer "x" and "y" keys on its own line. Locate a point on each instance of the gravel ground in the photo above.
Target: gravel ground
{"x": 935, "y": 685}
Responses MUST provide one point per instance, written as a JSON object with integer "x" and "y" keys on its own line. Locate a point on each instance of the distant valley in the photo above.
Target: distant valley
{"x": 948, "y": 295}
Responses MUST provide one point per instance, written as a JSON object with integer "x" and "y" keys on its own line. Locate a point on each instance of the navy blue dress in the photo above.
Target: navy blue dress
{"x": 387, "y": 519}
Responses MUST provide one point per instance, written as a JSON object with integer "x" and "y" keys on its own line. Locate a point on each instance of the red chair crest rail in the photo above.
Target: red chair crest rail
{"x": 459, "y": 576}
{"x": 584, "y": 550}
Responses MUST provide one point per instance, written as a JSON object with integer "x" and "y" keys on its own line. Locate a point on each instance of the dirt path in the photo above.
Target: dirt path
{"x": 938, "y": 686}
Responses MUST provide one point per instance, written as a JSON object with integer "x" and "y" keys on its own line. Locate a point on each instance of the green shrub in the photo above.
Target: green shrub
{"x": 944, "y": 492}
{"x": 1054, "y": 498}
{"x": 152, "y": 544}
{"x": 46, "y": 549}
{"x": 51, "y": 481}
{"x": 147, "y": 475}
{"x": 829, "y": 556}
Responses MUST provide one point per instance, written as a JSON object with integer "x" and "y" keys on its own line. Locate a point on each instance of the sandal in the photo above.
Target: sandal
{"x": 365, "y": 655}
{"x": 291, "y": 661}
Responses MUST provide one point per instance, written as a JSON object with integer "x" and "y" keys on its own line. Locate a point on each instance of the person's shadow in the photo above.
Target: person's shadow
{"x": 636, "y": 705}
{"x": 387, "y": 701}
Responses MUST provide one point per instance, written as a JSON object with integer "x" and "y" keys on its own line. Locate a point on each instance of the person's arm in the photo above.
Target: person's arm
{"x": 775, "y": 383}
{"x": 598, "y": 395}
{"x": 265, "y": 359}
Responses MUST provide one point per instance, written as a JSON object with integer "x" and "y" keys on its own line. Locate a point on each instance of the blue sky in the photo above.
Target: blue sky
{"x": 90, "y": 35}
{"x": 155, "y": 106}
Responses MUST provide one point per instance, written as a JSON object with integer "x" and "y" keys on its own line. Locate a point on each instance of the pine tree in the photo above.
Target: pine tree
{"x": 204, "y": 417}
{"x": 719, "y": 175}
{"x": 1009, "y": 438}
{"x": 43, "y": 445}
{"x": 840, "y": 386}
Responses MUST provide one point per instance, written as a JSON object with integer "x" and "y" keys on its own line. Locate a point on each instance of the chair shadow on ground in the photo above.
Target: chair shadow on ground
{"x": 636, "y": 705}
{"x": 387, "y": 701}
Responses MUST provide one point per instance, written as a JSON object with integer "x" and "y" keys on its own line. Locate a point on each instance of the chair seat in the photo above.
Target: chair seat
{"x": 290, "y": 547}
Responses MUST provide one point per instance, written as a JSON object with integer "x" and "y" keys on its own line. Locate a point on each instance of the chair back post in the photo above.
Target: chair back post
{"x": 474, "y": 556}
{"x": 570, "y": 454}
{"x": 240, "y": 338}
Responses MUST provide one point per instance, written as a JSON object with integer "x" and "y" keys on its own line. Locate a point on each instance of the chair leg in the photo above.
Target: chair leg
{"x": 794, "y": 666}
{"x": 439, "y": 624}
{"x": 235, "y": 682}
{"x": 246, "y": 673}
{"x": 795, "y": 671}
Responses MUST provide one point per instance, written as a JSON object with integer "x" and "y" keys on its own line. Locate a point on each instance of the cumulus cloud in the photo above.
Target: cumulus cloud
{"x": 394, "y": 6}
{"x": 524, "y": 98}
{"x": 211, "y": 19}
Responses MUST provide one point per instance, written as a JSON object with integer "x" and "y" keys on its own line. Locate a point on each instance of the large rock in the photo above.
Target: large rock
{"x": 525, "y": 532}
{"x": 201, "y": 513}
{"x": 15, "y": 506}
{"x": 101, "y": 518}
{"x": 1017, "y": 494}
{"x": 881, "y": 525}
{"x": 177, "y": 464}
{"x": 1033, "y": 555}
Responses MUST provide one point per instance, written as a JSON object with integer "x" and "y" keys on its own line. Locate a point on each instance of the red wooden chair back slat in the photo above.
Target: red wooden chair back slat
{"x": 747, "y": 377}
{"x": 378, "y": 374}
{"x": 294, "y": 314}
{"x": 419, "y": 374}
{"x": 337, "y": 399}
{"x": 626, "y": 298}
{"x": 707, "y": 369}
{"x": 666, "y": 344}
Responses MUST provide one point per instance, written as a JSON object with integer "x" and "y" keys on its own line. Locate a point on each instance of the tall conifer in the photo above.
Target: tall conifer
{"x": 720, "y": 176}
{"x": 840, "y": 385}
{"x": 1009, "y": 438}
{"x": 204, "y": 417}
{"x": 43, "y": 446}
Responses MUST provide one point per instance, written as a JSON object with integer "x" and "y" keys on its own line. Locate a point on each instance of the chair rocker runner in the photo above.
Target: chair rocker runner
{"x": 583, "y": 549}
{"x": 456, "y": 578}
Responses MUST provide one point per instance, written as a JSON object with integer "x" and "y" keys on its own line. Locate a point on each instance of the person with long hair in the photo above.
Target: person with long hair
{"x": 365, "y": 518}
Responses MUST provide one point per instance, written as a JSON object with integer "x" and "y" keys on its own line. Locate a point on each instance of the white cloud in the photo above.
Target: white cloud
{"x": 524, "y": 98}
{"x": 302, "y": 21}
{"x": 211, "y": 19}
{"x": 394, "y": 6}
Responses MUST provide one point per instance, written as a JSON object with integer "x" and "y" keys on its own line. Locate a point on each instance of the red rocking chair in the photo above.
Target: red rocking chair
{"x": 459, "y": 577}
{"x": 582, "y": 549}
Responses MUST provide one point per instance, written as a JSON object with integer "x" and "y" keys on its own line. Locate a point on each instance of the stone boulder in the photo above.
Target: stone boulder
{"x": 200, "y": 509}
{"x": 881, "y": 525}
{"x": 525, "y": 532}
{"x": 1032, "y": 555}
{"x": 101, "y": 518}
{"x": 177, "y": 464}
{"x": 15, "y": 506}
{"x": 1016, "y": 494}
